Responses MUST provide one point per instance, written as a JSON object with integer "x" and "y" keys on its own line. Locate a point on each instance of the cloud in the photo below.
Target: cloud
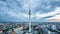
{"x": 46, "y": 6}
{"x": 18, "y": 10}
{"x": 56, "y": 11}
{"x": 31, "y": 4}
{"x": 54, "y": 20}
{"x": 55, "y": 17}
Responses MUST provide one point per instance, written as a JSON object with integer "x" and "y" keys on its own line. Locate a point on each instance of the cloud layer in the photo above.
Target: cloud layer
{"x": 17, "y": 10}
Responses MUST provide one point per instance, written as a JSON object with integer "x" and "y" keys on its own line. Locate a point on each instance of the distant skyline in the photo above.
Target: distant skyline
{"x": 42, "y": 10}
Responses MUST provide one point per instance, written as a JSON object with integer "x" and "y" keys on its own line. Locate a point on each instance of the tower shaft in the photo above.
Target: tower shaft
{"x": 30, "y": 21}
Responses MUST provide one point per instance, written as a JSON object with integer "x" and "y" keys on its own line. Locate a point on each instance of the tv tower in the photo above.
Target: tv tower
{"x": 29, "y": 17}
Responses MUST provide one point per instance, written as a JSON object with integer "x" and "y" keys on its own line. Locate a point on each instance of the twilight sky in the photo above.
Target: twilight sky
{"x": 42, "y": 10}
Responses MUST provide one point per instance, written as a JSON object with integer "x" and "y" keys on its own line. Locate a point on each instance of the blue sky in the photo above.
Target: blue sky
{"x": 17, "y": 10}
